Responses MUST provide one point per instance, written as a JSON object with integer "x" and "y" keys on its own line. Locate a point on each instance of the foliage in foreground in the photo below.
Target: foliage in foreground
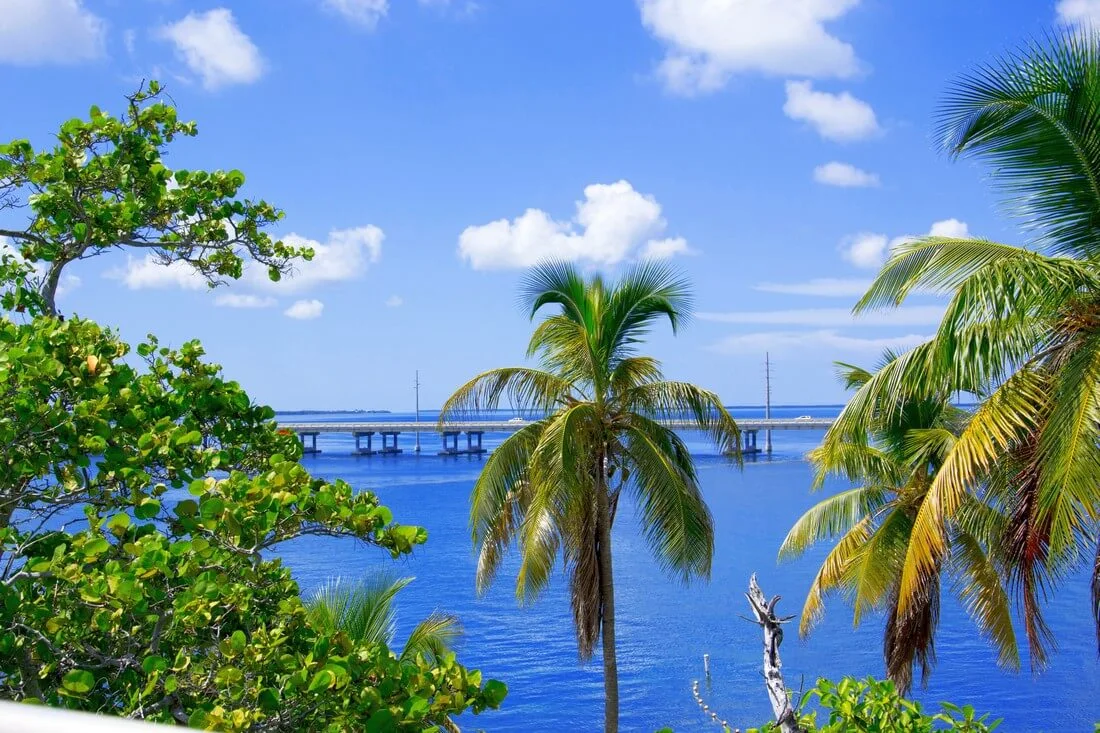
{"x": 873, "y": 706}
{"x": 553, "y": 487}
{"x": 1021, "y": 330}
{"x": 105, "y": 186}
{"x": 136, "y": 515}
{"x": 892, "y": 452}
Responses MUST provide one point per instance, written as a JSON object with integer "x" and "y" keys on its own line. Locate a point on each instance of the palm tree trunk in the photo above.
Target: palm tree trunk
{"x": 607, "y": 598}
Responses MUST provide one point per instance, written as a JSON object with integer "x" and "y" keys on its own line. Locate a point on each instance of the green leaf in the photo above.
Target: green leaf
{"x": 154, "y": 663}
{"x": 78, "y": 681}
{"x": 323, "y": 680}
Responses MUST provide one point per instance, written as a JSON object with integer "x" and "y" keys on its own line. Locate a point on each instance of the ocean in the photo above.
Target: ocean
{"x": 664, "y": 627}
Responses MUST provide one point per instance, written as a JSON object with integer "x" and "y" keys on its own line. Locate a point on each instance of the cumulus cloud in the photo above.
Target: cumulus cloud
{"x": 215, "y": 48}
{"x": 305, "y": 310}
{"x": 870, "y": 251}
{"x": 663, "y": 249}
{"x": 839, "y": 117}
{"x": 238, "y": 300}
{"x": 613, "y": 223}
{"x": 148, "y": 273}
{"x": 395, "y": 301}
{"x": 708, "y": 42}
{"x": 49, "y": 32}
{"x": 867, "y": 250}
{"x": 845, "y": 175}
{"x": 825, "y": 341}
{"x": 824, "y": 286}
{"x": 1081, "y": 13}
{"x": 921, "y": 315}
{"x": 345, "y": 255}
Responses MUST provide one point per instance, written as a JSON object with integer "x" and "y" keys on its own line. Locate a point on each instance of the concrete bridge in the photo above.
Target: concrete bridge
{"x": 474, "y": 430}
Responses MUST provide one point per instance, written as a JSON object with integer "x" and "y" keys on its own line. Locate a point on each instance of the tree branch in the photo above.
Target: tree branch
{"x": 764, "y": 611}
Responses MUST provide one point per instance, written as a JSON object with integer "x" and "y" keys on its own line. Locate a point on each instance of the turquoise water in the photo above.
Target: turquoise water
{"x": 664, "y": 628}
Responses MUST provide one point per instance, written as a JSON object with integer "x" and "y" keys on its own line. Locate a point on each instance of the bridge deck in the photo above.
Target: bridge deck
{"x": 505, "y": 426}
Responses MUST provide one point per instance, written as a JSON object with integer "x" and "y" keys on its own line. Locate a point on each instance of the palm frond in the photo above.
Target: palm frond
{"x": 363, "y": 610}
{"x": 675, "y": 519}
{"x": 433, "y": 638}
{"x": 834, "y": 572}
{"x": 997, "y": 424}
{"x": 643, "y": 294}
{"x": 686, "y": 401}
{"x": 1069, "y": 452}
{"x": 1035, "y": 117}
{"x": 530, "y": 390}
{"x": 983, "y": 595}
{"x": 500, "y": 499}
{"x": 830, "y": 518}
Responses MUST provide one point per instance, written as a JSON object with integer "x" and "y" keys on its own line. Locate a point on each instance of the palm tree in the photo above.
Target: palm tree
{"x": 892, "y": 452}
{"x": 365, "y": 611}
{"x": 1023, "y": 324}
{"x": 553, "y": 487}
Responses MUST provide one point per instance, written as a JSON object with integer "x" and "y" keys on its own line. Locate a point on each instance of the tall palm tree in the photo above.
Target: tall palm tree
{"x": 553, "y": 487}
{"x": 364, "y": 610}
{"x": 1023, "y": 323}
{"x": 892, "y": 450}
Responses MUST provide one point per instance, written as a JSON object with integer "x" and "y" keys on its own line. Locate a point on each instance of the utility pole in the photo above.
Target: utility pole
{"x": 416, "y": 386}
{"x": 767, "y": 401}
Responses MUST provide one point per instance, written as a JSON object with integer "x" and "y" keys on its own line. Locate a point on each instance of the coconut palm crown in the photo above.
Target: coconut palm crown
{"x": 1022, "y": 325}
{"x": 892, "y": 452}
{"x": 554, "y": 486}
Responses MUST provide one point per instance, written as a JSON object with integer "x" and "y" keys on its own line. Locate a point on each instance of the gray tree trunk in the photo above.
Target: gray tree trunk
{"x": 764, "y": 611}
{"x": 607, "y": 599}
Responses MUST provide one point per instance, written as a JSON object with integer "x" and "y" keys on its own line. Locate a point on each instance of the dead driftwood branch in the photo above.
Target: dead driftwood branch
{"x": 764, "y": 611}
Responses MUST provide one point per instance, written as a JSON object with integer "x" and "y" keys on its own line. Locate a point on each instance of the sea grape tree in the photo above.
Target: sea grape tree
{"x": 141, "y": 494}
{"x": 105, "y": 185}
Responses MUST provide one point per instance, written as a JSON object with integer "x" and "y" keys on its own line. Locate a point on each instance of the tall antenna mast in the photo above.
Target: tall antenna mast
{"x": 767, "y": 401}
{"x": 416, "y": 386}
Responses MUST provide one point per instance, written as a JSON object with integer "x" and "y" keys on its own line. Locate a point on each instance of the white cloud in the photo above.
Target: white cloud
{"x": 149, "y": 274}
{"x": 918, "y": 315}
{"x": 1083, "y": 13}
{"x": 395, "y": 301}
{"x": 365, "y": 13}
{"x": 950, "y": 228}
{"x": 839, "y": 117}
{"x": 237, "y": 300}
{"x": 215, "y": 48}
{"x": 345, "y": 255}
{"x": 866, "y": 250}
{"x": 708, "y": 41}
{"x": 663, "y": 249}
{"x": 49, "y": 32}
{"x": 305, "y": 310}
{"x": 845, "y": 175}
{"x": 827, "y": 342}
{"x": 870, "y": 251}
{"x": 824, "y": 286}
{"x": 613, "y": 222}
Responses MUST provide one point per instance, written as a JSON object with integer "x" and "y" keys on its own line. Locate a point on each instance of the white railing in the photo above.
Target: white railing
{"x": 23, "y": 718}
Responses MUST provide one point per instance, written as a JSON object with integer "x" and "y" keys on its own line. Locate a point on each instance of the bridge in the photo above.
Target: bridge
{"x": 474, "y": 430}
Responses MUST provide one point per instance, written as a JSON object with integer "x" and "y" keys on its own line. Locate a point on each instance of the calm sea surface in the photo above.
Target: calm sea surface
{"x": 664, "y": 628}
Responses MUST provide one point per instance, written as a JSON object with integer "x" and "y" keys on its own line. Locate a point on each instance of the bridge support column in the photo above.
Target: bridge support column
{"x": 387, "y": 447}
{"x": 310, "y": 448}
{"x": 450, "y": 443}
{"x": 359, "y": 449}
{"x": 470, "y": 434}
{"x": 749, "y": 440}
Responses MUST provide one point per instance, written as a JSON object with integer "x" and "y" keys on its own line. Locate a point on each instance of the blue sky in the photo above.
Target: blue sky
{"x": 771, "y": 149}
